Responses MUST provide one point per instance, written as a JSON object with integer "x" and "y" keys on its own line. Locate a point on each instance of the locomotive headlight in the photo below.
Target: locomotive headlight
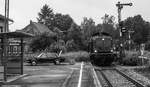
{"x": 111, "y": 50}
{"x": 95, "y": 51}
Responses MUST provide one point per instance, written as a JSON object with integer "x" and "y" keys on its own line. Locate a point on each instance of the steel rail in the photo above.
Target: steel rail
{"x": 65, "y": 83}
{"x": 136, "y": 83}
{"x": 94, "y": 77}
{"x": 105, "y": 78}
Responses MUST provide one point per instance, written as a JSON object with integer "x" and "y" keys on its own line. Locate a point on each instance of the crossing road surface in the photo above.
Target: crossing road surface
{"x": 49, "y": 76}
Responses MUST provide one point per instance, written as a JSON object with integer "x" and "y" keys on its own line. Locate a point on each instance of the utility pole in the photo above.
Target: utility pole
{"x": 120, "y": 7}
{"x": 6, "y": 29}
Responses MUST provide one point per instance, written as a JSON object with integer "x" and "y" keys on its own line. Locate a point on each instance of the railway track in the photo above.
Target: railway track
{"x": 74, "y": 79}
{"x": 112, "y": 77}
{"x": 68, "y": 78}
{"x": 81, "y": 78}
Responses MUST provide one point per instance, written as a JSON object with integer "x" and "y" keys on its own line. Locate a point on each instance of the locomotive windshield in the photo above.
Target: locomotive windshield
{"x": 102, "y": 44}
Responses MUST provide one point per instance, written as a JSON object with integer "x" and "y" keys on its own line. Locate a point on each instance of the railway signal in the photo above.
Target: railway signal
{"x": 120, "y": 7}
{"x": 123, "y": 29}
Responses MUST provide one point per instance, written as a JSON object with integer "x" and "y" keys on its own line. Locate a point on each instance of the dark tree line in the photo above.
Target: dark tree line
{"x": 72, "y": 37}
{"x": 52, "y": 20}
{"x": 140, "y": 27}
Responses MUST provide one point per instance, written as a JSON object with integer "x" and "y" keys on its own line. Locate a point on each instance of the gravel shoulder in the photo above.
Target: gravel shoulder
{"x": 139, "y": 76}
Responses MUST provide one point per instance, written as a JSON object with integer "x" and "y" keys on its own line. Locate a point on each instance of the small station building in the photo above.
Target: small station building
{"x": 11, "y": 53}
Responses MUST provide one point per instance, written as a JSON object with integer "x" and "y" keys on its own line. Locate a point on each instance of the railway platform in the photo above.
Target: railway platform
{"x": 63, "y": 75}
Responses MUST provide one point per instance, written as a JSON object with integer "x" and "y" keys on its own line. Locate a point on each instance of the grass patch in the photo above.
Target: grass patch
{"x": 147, "y": 54}
{"x": 132, "y": 59}
{"x": 143, "y": 71}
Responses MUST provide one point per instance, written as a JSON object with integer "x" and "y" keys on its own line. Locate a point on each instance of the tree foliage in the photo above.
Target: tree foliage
{"x": 71, "y": 46}
{"x": 41, "y": 42}
{"x": 108, "y": 19}
{"x": 75, "y": 37}
{"x": 88, "y": 28}
{"x": 139, "y": 26}
{"x": 108, "y": 24}
{"x": 46, "y": 16}
{"x": 49, "y": 18}
{"x": 63, "y": 22}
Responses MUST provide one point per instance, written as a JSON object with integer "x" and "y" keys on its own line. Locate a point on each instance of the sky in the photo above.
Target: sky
{"x": 22, "y": 11}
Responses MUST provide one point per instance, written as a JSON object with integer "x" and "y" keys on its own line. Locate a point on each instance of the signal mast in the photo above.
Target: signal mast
{"x": 120, "y": 7}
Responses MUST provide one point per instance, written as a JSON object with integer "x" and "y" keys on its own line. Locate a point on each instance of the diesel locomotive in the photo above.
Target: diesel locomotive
{"x": 101, "y": 50}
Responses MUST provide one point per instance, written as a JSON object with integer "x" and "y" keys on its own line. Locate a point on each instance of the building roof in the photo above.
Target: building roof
{"x": 36, "y": 28}
{"x": 15, "y": 35}
{"x": 41, "y": 27}
{"x": 3, "y": 17}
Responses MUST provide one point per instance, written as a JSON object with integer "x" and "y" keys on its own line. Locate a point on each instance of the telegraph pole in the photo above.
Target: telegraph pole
{"x": 120, "y": 7}
{"x": 6, "y": 29}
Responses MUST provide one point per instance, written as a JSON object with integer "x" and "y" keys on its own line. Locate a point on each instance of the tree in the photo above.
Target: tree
{"x": 58, "y": 46}
{"x": 71, "y": 46}
{"x": 49, "y": 18}
{"x": 76, "y": 35}
{"x": 87, "y": 28}
{"x": 107, "y": 19}
{"x": 46, "y": 16}
{"x": 63, "y": 22}
{"x": 140, "y": 28}
{"x": 43, "y": 41}
{"x": 108, "y": 24}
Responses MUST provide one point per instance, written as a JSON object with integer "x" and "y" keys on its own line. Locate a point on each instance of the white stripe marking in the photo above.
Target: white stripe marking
{"x": 80, "y": 77}
{"x": 97, "y": 80}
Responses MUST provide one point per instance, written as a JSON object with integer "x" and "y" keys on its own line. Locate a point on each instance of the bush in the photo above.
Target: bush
{"x": 83, "y": 56}
{"x": 132, "y": 59}
{"x": 147, "y": 54}
{"x": 42, "y": 41}
{"x": 77, "y": 56}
